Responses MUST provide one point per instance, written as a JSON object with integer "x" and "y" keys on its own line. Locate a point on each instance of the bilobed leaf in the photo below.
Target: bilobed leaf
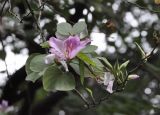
{"x": 45, "y": 44}
{"x": 124, "y": 65}
{"x": 83, "y": 34}
{"x": 33, "y": 76}
{"x": 64, "y": 28}
{"x": 86, "y": 59}
{"x": 79, "y": 27}
{"x": 81, "y": 68}
{"x": 60, "y": 36}
{"x": 27, "y": 65}
{"x": 89, "y": 49}
{"x": 37, "y": 64}
{"x": 55, "y": 79}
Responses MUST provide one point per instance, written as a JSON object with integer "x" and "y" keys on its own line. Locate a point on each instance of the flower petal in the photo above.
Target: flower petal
{"x": 56, "y": 44}
{"x": 58, "y": 55}
{"x": 49, "y": 58}
{"x": 110, "y": 86}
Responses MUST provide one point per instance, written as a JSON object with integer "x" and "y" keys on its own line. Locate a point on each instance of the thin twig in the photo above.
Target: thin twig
{"x": 10, "y": 7}
{"x": 39, "y": 8}
{"x": 36, "y": 21}
{"x": 81, "y": 96}
{"x": 142, "y": 60}
{"x": 3, "y": 7}
{"x": 141, "y": 7}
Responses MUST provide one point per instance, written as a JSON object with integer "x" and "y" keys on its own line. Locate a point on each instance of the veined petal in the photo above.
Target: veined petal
{"x": 85, "y": 42}
{"x": 58, "y": 55}
{"x": 57, "y": 44}
{"x": 79, "y": 47}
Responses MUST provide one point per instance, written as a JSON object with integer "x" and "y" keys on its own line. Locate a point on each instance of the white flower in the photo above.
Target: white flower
{"x": 108, "y": 81}
{"x": 49, "y": 58}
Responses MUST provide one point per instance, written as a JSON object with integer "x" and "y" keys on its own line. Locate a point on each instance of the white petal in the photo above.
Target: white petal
{"x": 107, "y": 78}
{"x": 49, "y": 58}
{"x": 64, "y": 64}
{"x": 110, "y": 87}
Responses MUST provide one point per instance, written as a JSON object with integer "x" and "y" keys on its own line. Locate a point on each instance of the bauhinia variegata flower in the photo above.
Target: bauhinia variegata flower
{"x": 107, "y": 80}
{"x": 64, "y": 50}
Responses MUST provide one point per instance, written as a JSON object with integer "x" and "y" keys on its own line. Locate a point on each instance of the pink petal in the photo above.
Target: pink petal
{"x": 58, "y": 55}
{"x": 57, "y": 44}
{"x": 79, "y": 48}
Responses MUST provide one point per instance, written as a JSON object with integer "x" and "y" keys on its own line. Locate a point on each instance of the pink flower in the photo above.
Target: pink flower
{"x": 63, "y": 50}
{"x": 68, "y": 48}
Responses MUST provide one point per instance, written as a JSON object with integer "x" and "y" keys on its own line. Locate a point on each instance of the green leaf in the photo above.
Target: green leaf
{"x": 55, "y": 79}
{"x": 27, "y": 65}
{"x": 79, "y": 27}
{"x": 64, "y": 28}
{"x": 106, "y": 62}
{"x": 33, "y": 76}
{"x": 90, "y": 92}
{"x": 89, "y": 49}
{"x": 143, "y": 55}
{"x": 45, "y": 44}
{"x": 124, "y": 65}
{"x": 81, "y": 68}
{"x": 86, "y": 59}
{"x": 37, "y": 64}
{"x": 75, "y": 67}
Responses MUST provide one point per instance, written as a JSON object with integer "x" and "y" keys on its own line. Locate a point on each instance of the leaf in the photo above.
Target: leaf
{"x": 79, "y": 27}
{"x": 143, "y": 55}
{"x": 64, "y": 28}
{"x": 89, "y": 49}
{"x": 37, "y": 64}
{"x": 124, "y": 65}
{"x": 81, "y": 68}
{"x": 55, "y": 79}
{"x": 90, "y": 92}
{"x": 86, "y": 59}
{"x": 45, "y": 44}
{"x": 33, "y": 76}
{"x": 27, "y": 66}
{"x": 60, "y": 36}
{"x": 75, "y": 67}
{"x": 106, "y": 62}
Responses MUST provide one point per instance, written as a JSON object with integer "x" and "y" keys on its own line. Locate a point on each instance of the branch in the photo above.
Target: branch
{"x": 141, "y": 7}
{"x": 3, "y": 8}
